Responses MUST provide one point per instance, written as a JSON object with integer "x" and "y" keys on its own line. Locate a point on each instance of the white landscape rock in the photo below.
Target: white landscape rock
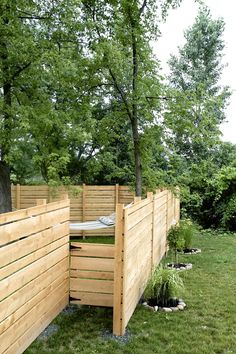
{"x": 174, "y": 309}
{"x": 180, "y": 307}
{"x": 166, "y": 309}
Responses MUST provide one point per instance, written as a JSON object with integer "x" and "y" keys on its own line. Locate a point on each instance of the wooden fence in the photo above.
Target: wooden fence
{"x": 34, "y": 259}
{"x": 87, "y": 204}
{"x": 141, "y": 231}
{"x": 92, "y": 274}
{"x": 34, "y": 272}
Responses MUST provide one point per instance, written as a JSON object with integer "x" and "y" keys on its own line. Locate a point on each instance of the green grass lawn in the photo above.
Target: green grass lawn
{"x": 207, "y": 326}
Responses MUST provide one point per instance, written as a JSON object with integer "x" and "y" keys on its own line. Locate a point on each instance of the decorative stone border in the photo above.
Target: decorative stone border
{"x": 180, "y": 307}
{"x": 192, "y": 251}
{"x": 180, "y": 266}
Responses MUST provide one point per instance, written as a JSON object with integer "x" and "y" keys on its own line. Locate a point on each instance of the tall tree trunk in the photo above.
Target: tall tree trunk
{"x": 5, "y": 188}
{"x": 134, "y": 120}
{"x": 137, "y": 158}
{"x": 5, "y": 182}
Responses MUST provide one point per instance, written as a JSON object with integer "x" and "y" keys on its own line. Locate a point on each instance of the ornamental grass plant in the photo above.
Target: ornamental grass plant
{"x": 164, "y": 286}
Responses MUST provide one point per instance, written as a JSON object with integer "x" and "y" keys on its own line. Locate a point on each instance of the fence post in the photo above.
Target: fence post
{"x": 117, "y": 188}
{"x": 83, "y": 208}
{"x": 118, "y": 271}
{"x": 18, "y": 196}
{"x": 137, "y": 199}
{"x": 151, "y": 197}
{"x": 41, "y": 201}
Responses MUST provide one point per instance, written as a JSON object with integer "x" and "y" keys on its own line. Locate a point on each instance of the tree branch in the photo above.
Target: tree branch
{"x": 142, "y": 8}
{"x": 119, "y": 90}
{"x": 19, "y": 70}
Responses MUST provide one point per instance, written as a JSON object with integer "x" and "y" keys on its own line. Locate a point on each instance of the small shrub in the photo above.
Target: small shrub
{"x": 163, "y": 286}
{"x": 175, "y": 240}
{"x": 180, "y": 236}
{"x": 188, "y": 229}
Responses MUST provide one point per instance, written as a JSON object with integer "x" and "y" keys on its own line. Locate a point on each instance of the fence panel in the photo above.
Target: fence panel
{"x": 160, "y": 211}
{"x": 92, "y": 274}
{"x": 34, "y": 272}
{"x": 89, "y": 203}
{"x": 141, "y": 231}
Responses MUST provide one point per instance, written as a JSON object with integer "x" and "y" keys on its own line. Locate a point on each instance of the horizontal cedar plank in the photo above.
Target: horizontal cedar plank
{"x": 139, "y": 242}
{"x": 133, "y": 257}
{"x": 157, "y": 255}
{"x": 99, "y": 193}
{"x": 33, "y": 188}
{"x": 76, "y": 202}
{"x": 21, "y": 248}
{"x": 96, "y": 203}
{"x": 138, "y": 206}
{"x": 32, "y": 257}
{"x": 94, "y": 299}
{"x": 88, "y": 274}
{"x": 160, "y": 230}
{"x": 98, "y": 208}
{"x": 159, "y": 209}
{"x": 34, "y": 211}
{"x": 86, "y": 263}
{"x": 101, "y": 232}
{"x": 133, "y": 292}
{"x": 76, "y": 234}
{"x": 95, "y": 250}
{"x": 133, "y": 296}
{"x": 139, "y": 229}
{"x": 161, "y": 193}
{"x": 95, "y": 214}
{"x": 95, "y": 187}
{"x": 23, "y": 295}
{"x": 38, "y": 325}
{"x": 160, "y": 202}
{"x": 160, "y": 212}
{"x": 158, "y": 224}
{"x": 92, "y": 285}
{"x": 9, "y": 321}
{"x": 23, "y": 276}
{"x": 137, "y": 275}
{"x": 138, "y": 216}
{"x": 22, "y": 228}
{"x": 24, "y": 323}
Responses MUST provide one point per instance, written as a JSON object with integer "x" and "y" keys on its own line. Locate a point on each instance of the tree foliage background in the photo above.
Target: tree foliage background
{"x": 83, "y": 99}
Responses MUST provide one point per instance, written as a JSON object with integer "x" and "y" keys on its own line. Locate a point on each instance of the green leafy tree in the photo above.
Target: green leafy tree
{"x": 119, "y": 41}
{"x": 42, "y": 89}
{"x": 196, "y": 108}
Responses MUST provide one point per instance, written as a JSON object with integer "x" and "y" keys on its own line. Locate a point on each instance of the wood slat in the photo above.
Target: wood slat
{"x": 24, "y": 276}
{"x": 88, "y": 274}
{"x": 32, "y": 257}
{"x": 21, "y": 248}
{"x": 18, "y": 229}
{"x": 88, "y": 263}
{"x": 92, "y": 250}
{"x": 34, "y": 211}
{"x": 24, "y": 323}
{"x": 24, "y": 294}
{"x": 38, "y": 325}
{"x": 10, "y": 320}
{"x": 94, "y": 299}
{"x": 92, "y": 285}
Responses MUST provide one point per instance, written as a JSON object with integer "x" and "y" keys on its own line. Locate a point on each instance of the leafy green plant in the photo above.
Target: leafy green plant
{"x": 187, "y": 229}
{"x": 175, "y": 240}
{"x": 165, "y": 284}
{"x": 180, "y": 236}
